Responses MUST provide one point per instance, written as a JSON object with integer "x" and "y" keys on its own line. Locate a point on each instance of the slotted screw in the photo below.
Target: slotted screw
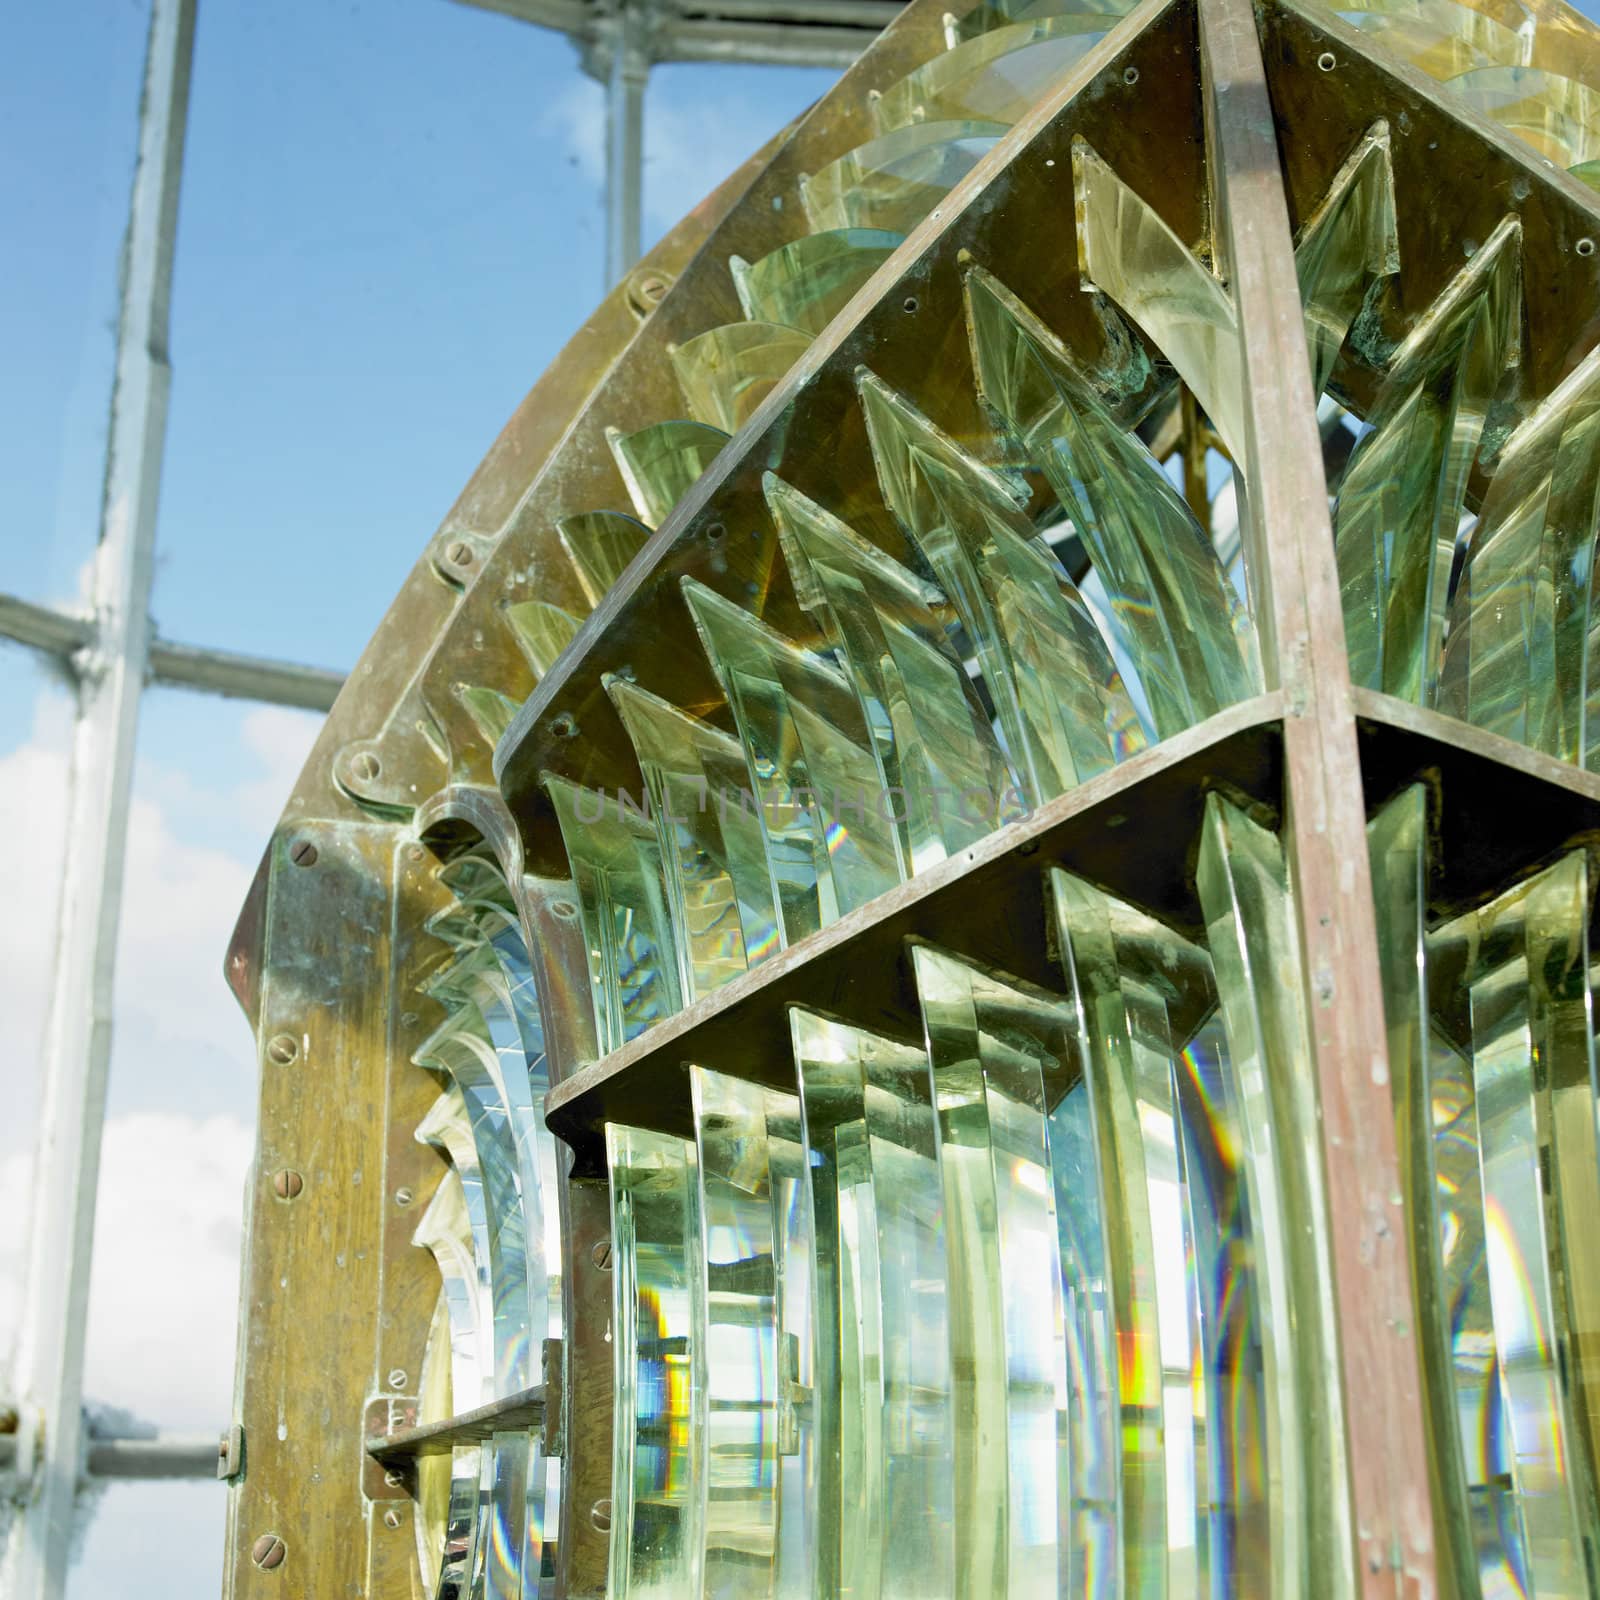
{"x": 268, "y": 1551}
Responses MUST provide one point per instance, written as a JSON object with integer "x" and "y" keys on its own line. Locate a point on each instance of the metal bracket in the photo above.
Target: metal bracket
{"x": 551, "y": 1362}
{"x": 389, "y": 1478}
{"x": 230, "y": 1454}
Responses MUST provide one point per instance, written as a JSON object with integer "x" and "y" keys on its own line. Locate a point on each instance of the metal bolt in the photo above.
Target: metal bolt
{"x": 403, "y": 1197}
{"x": 365, "y": 766}
{"x": 391, "y": 1518}
{"x": 268, "y": 1551}
{"x": 287, "y": 1184}
{"x": 601, "y": 1255}
{"x": 600, "y": 1516}
{"x": 282, "y": 1049}
{"x": 303, "y": 853}
{"x": 459, "y": 554}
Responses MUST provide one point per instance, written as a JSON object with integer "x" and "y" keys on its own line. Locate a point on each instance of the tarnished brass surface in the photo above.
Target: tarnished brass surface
{"x": 314, "y": 1270}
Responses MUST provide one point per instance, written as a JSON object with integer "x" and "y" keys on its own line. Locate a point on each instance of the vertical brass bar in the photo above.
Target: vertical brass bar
{"x": 1302, "y": 629}
{"x": 583, "y": 1552}
{"x": 298, "y": 1515}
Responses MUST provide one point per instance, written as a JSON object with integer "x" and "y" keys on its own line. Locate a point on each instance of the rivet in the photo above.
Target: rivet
{"x": 601, "y": 1254}
{"x": 403, "y": 1197}
{"x": 268, "y": 1551}
{"x": 303, "y": 853}
{"x": 600, "y": 1516}
{"x": 282, "y": 1049}
{"x": 391, "y": 1518}
{"x": 1585, "y": 247}
{"x": 287, "y": 1184}
{"x": 365, "y": 766}
{"x": 1327, "y": 61}
{"x": 459, "y": 554}
{"x": 910, "y": 303}
{"x": 1130, "y": 76}
{"x": 716, "y": 533}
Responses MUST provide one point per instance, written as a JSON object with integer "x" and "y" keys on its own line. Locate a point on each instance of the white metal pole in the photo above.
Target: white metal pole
{"x": 49, "y": 1375}
{"x": 625, "y": 86}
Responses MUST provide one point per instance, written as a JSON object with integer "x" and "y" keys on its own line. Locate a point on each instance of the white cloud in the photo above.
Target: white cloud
{"x": 164, "y": 1294}
{"x": 164, "y": 1289}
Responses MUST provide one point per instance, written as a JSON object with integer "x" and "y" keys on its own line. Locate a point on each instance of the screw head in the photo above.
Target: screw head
{"x": 282, "y": 1049}
{"x": 459, "y": 554}
{"x": 403, "y": 1197}
{"x": 600, "y": 1516}
{"x": 287, "y": 1184}
{"x": 364, "y": 766}
{"x": 601, "y": 1254}
{"x": 268, "y": 1551}
{"x": 303, "y": 853}
{"x": 391, "y": 1518}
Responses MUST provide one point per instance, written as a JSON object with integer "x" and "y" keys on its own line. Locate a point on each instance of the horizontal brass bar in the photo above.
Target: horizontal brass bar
{"x": 524, "y": 1409}
{"x": 1503, "y": 808}
{"x": 986, "y": 902}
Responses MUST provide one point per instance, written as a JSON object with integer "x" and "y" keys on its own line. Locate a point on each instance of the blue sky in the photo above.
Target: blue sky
{"x": 390, "y": 223}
